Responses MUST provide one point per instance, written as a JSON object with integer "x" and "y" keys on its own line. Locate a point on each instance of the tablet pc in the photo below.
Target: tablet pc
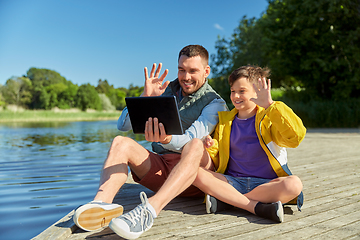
{"x": 163, "y": 108}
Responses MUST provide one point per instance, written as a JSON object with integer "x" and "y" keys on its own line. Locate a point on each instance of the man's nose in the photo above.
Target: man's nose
{"x": 187, "y": 76}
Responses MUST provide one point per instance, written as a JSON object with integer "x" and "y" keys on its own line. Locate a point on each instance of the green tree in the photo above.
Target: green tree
{"x": 17, "y": 90}
{"x": 104, "y": 87}
{"x": 315, "y": 45}
{"x": 66, "y": 98}
{"x": 134, "y": 91}
{"x": 41, "y": 77}
{"x": 116, "y": 95}
{"x": 44, "y": 99}
{"x": 42, "y": 81}
{"x": 120, "y": 95}
{"x": 87, "y": 97}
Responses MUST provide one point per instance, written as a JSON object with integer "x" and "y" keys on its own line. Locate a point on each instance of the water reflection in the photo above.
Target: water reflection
{"x": 48, "y": 169}
{"x": 35, "y": 124}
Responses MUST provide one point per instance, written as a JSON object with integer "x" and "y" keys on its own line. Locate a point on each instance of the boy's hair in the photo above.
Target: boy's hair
{"x": 195, "y": 50}
{"x": 250, "y": 72}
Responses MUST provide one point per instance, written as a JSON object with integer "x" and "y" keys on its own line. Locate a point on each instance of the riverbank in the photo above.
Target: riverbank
{"x": 70, "y": 115}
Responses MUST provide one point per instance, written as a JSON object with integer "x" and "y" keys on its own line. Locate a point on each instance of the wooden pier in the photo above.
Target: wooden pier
{"x": 328, "y": 163}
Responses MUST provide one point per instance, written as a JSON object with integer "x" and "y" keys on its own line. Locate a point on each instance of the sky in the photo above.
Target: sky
{"x": 88, "y": 40}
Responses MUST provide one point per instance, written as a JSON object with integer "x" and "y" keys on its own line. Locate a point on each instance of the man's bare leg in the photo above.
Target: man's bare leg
{"x": 182, "y": 175}
{"x": 123, "y": 152}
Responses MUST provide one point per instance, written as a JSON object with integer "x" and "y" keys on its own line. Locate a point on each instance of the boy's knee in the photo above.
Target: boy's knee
{"x": 294, "y": 184}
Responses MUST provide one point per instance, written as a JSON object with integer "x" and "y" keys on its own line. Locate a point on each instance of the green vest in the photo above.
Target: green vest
{"x": 190, "y": 107}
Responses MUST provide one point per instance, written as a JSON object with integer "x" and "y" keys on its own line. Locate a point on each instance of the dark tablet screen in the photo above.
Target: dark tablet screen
{"x": 163, "y": 108}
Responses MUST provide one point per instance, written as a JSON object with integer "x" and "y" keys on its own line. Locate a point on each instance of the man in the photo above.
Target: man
{"x": 170, "y": 170}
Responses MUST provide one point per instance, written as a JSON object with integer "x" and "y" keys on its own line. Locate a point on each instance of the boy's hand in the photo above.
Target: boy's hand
{"x": 208, "y": 141}
{"x": 263, "y": 94}
{"x": 153, "y": 84}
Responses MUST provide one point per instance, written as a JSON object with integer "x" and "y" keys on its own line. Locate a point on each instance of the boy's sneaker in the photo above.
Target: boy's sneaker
{"x": 214, "y": 205}
{"x": 134, "y": 223}
{"x": 272, "y": 211}
{"x": 96, "y": 215}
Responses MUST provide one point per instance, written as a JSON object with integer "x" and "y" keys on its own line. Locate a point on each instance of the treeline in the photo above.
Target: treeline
{"x": 313, "y": 51}
{"x": 47, "y": 89}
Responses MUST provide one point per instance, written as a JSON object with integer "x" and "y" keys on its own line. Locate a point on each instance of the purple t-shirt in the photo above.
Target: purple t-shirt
{"x": 247, "y": 158}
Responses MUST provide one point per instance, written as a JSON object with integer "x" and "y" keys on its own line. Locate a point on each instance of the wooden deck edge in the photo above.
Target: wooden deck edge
{"x": 62, "y": 229}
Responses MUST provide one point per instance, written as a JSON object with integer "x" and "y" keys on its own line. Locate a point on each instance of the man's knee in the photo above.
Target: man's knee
{"x": 194, "y": 144}
{"x": 120, "y": 142}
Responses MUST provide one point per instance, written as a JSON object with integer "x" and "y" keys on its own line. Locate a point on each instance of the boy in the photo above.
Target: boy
{"x": 248, "y": 150}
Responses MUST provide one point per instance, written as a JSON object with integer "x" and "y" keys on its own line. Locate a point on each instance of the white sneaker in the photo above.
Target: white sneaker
{"x": 214, "y": 205}
{"x": 96, "y": 215}
{"x": 134, "y": 223}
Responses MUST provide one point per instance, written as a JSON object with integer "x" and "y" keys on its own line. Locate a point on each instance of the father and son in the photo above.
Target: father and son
{"x": 237, "y": 158}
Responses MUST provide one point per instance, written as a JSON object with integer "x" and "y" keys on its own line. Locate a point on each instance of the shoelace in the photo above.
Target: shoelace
{"x": 140, "y": 212}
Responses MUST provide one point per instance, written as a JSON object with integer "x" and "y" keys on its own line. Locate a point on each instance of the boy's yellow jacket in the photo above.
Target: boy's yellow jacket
{"x": 277, "y": 128}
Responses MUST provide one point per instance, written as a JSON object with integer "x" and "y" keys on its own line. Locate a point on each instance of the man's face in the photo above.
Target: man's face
{"x": 192, "y": 73}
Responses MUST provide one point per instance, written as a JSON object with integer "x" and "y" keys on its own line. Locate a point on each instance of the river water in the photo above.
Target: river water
{"x": 48, "y": 169}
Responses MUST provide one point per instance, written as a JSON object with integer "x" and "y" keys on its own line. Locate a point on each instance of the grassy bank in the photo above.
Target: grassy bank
{"x": 44, "y": 116}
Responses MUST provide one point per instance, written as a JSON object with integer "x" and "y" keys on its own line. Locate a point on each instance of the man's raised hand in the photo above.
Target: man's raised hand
{"x": 153, "y": 83}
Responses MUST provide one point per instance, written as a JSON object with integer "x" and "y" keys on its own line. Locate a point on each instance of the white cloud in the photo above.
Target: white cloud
{"x": 217, "y": 26}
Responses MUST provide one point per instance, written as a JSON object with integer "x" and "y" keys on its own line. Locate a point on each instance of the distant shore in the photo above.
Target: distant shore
{"x": 70, "y": 115}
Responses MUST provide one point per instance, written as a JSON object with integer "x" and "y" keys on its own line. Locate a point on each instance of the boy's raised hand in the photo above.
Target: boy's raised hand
{"x": 154, "y": 84}
{"x": 263, "y": 93}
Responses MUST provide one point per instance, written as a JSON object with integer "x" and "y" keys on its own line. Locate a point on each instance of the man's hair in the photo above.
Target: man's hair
{"x": 250, "y": 72}
{"x": 195, "y": 50}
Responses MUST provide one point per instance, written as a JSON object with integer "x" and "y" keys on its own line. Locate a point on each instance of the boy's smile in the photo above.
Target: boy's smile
{"x": 241, "y": 94}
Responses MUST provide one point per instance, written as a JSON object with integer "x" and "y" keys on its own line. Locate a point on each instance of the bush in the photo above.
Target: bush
{"x": 328, "y": 114}
{"x": 106, "y": 103}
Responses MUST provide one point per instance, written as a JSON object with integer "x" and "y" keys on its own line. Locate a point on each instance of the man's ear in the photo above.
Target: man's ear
{"x": 207, "y": 71}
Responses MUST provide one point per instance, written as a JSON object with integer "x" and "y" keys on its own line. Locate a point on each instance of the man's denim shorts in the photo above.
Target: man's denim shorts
{"x": 245, "y": 184}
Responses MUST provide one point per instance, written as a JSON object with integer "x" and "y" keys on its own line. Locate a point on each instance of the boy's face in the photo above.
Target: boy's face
{"x": 241, "y": 93}
{"x": 192, "y": 73}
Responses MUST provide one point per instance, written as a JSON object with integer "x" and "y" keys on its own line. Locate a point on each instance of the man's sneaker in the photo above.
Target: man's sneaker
{"x": 96, "y": 214}
{"x": 213, "y": 205}
{"x": 134, "y": 223}
{"x": 272, "y": 211}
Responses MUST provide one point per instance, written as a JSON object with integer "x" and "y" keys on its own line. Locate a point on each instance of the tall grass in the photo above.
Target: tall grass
{"x": 43, "y": 115}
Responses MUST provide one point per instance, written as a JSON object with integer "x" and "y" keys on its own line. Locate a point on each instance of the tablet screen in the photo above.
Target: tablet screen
{"x": 161, "y": 107}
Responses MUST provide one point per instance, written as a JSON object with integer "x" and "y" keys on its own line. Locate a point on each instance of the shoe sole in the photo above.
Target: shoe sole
{"x": 208, "y": 204}
{"x": 96, "y": 218}
{"x": 280, "y": 212}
